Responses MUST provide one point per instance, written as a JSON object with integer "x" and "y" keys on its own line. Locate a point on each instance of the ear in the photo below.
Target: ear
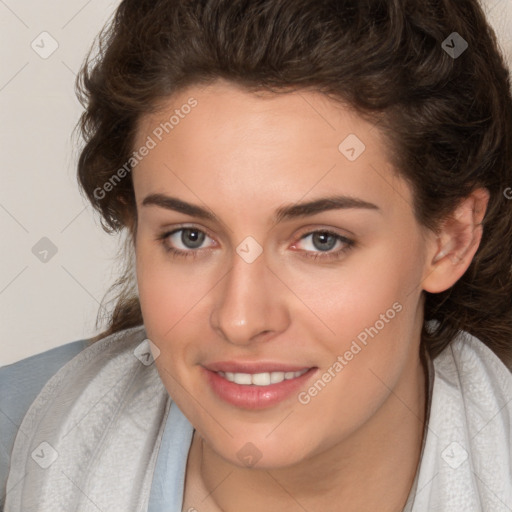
{"x": 456, "y": 243}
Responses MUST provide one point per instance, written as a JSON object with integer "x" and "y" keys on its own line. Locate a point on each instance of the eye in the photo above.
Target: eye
{"x": 320, "y": 244}
{"x": 183, "y": 242}
{"x": 187, "y": 242}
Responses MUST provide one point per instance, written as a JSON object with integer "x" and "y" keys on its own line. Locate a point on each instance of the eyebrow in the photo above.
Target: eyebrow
{"x": 283, "y": 213}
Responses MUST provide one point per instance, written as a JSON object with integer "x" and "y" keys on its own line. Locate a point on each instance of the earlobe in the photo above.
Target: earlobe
{"x": 456, "y": 243}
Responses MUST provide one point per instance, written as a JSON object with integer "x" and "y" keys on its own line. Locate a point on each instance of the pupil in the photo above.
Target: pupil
{"x": 323, "y": 238}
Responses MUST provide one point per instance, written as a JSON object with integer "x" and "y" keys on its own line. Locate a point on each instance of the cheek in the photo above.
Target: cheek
{"x": 370, "y": 307}
{"x": 167, "y": 299}
{"x": 370, "y": 283}
{"x": 168, "y": 292}
{"x": 372, "y": 345}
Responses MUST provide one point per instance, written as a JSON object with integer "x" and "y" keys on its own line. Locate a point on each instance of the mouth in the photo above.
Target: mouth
{"x": 251, "y": 387}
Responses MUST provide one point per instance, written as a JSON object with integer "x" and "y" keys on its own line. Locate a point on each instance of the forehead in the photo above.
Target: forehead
{"x": 273, "y": 145}
{"x": 230, "y": 111}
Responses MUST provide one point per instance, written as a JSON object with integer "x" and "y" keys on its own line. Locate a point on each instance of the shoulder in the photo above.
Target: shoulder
{"x": 467, "y": 458}
{"x": 477, "y": 383}
{"x": 20, "y": 383}
{"x": 116, "y": 377}
{"x": 478, "y": 373}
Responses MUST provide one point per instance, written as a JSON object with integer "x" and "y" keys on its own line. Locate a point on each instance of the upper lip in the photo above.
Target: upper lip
{"x": 254, "y": 367}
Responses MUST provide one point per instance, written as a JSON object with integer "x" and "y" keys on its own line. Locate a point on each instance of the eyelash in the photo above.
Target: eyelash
{"x": 324, "y": 256}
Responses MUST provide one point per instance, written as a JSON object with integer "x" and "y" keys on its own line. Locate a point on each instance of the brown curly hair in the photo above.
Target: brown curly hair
{"x": 448, "y": 120}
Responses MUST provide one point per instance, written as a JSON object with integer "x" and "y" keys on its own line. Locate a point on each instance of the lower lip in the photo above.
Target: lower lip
{"x": 255, "y": 397}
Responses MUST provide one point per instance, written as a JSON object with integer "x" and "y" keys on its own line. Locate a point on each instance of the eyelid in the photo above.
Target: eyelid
{"x": 345, "y": 233}
{"x": 339, "y": 237}
{"x": 186, "y": 225}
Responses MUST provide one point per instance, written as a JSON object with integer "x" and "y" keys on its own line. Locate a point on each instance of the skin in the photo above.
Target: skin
{"x": 242, "y": 156}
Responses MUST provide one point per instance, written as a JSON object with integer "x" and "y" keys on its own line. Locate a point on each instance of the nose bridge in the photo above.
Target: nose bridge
{"x": 248, "y": 305}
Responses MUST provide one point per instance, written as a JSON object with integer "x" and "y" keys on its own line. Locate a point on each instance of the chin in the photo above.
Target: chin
{"x": 258, "y": 451}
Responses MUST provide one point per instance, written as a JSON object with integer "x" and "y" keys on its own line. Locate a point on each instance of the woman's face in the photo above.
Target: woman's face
{"x": 298, "y": 252}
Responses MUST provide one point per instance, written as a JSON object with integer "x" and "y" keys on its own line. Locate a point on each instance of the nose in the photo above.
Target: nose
{"x": 250, "y": 304}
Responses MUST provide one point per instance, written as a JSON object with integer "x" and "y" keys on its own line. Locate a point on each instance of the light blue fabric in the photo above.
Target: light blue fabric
{"x": 169, "y": 476}
{"x": 20, "y": 383}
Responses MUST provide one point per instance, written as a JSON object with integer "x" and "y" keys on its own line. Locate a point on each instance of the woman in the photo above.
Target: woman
{"x": 314, "y": 197}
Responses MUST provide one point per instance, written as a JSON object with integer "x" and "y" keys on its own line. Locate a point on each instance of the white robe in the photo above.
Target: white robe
{"x": 104, "y": 435}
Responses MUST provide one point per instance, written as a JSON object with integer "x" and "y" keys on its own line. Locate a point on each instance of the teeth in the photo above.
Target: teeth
{"x": 242, "y": 378}
{"x": 276, "y": 377}
{"x": 261, "y": 379}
